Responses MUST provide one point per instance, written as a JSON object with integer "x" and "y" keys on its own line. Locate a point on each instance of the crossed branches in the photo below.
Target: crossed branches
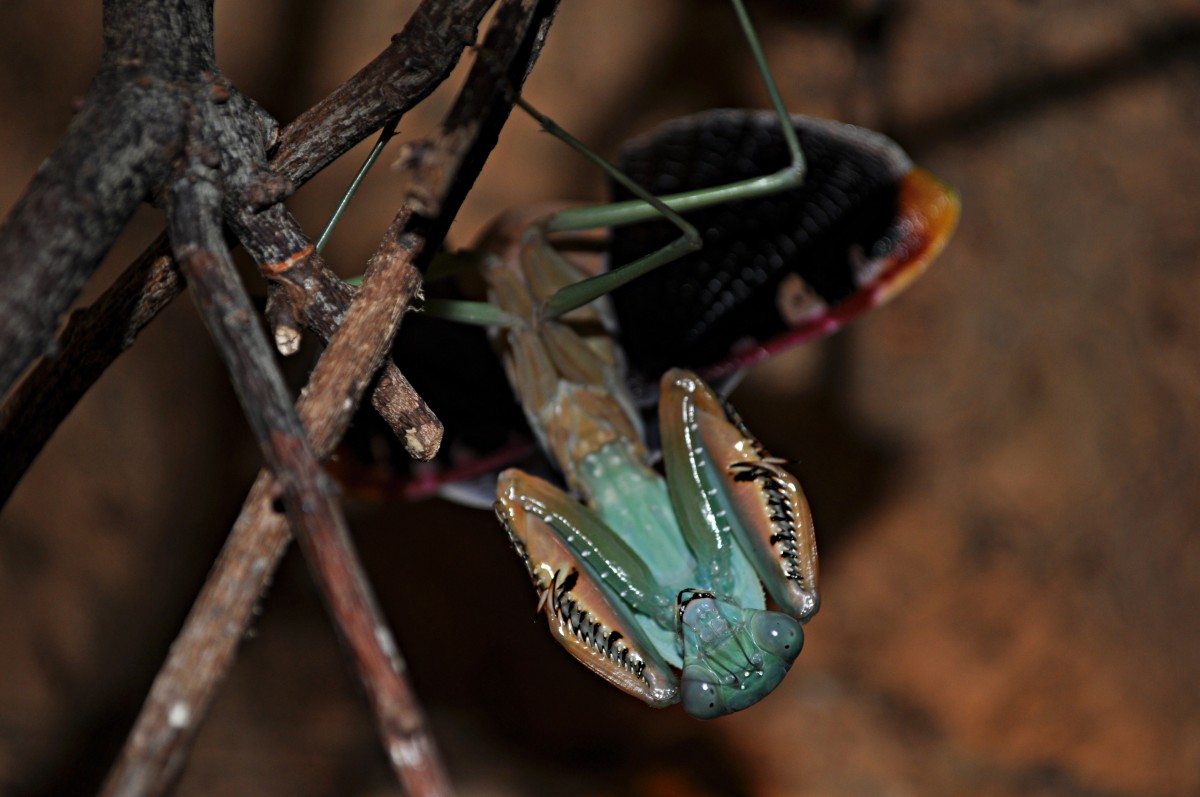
{"x": 161, "y": 122}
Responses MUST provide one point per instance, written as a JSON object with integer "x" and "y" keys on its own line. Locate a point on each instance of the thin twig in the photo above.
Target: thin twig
{"x": 412, "y": 66}
{"x": 91, "y": 340}
{"x": 182, "y": 693}
{"x": 321, "y": 299}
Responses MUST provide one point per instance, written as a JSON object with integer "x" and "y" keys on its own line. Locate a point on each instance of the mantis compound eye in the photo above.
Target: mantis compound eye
{"x": 701, "y": 693}
{"x": 778, "y": 634}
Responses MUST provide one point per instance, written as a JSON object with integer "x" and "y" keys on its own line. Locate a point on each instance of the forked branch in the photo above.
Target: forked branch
{"x": 417, "y": 60}
{"x": 155, "y": 752}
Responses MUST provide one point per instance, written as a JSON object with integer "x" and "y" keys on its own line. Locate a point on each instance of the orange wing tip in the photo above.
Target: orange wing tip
{"x": 928, "y": 210}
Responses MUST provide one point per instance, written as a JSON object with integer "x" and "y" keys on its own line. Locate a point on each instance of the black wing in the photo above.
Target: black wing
{"x": 777, "y": 270}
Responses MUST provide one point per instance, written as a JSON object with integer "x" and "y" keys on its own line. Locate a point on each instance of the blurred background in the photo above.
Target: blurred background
{"x": 1004, "y": 464}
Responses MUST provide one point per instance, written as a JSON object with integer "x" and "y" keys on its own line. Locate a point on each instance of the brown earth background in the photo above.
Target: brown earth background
{"x": 1004, "y": 465}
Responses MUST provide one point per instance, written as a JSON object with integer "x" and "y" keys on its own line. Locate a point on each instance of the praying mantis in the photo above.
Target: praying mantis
{"x": 656, "y": 581}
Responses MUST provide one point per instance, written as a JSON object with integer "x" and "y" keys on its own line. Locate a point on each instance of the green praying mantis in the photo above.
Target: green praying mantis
{"x": 658, "y": 582}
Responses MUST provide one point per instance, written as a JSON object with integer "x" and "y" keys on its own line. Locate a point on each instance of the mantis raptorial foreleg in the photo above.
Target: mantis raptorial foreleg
{"x": 743, "y": 491}
{"x": 589, "y": 584}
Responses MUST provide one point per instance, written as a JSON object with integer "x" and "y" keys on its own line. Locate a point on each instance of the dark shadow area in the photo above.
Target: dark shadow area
{"x": 1167, "y": 44}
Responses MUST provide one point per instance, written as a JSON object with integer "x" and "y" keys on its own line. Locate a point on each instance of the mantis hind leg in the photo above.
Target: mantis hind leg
{"x": 647, "y": 206}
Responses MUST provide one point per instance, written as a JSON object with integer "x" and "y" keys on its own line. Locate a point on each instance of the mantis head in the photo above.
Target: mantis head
{"x": 732, "y": 656}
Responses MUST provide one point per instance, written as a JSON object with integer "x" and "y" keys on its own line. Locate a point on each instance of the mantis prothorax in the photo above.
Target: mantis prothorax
{"x": 657, "y": 583}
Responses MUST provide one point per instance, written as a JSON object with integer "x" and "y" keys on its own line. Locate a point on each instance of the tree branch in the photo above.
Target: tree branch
{"x": 200, "y": 656}
{"x": 117, "y": 150}
{"x": 94, "y": 338}
{"x": 320, "y": 299}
